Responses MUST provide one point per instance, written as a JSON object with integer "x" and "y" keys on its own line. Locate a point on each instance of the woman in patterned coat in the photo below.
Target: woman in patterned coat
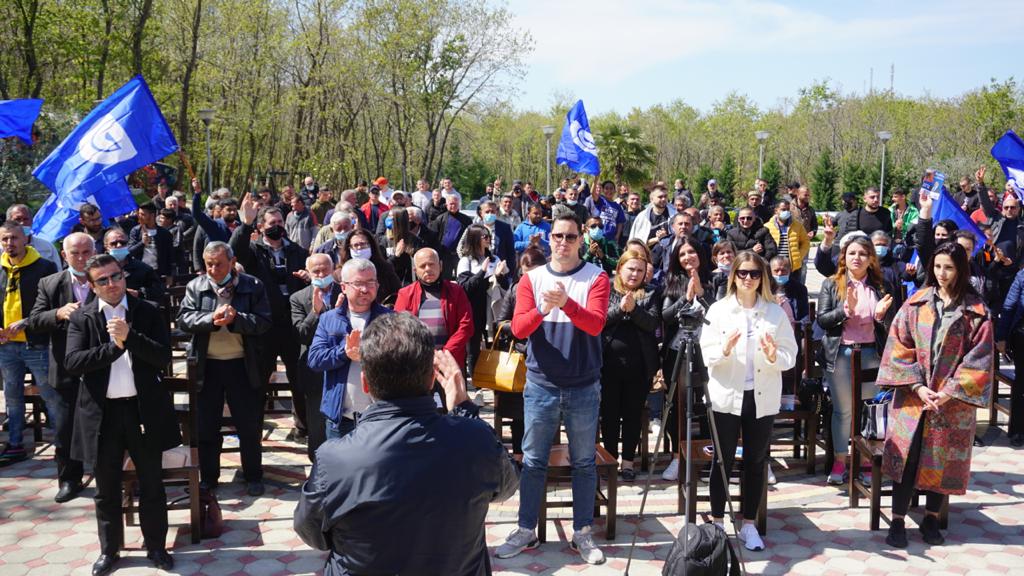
{"x": 939, "y": 360}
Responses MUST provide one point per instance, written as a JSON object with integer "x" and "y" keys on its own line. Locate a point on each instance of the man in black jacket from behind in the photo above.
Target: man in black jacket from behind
{"x": 407, "y": 491}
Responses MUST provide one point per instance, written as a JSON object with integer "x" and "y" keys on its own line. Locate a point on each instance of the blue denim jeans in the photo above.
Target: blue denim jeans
{"x": 542, "y": 406}
{"x": 840, "y": 386}
{"x": 339, "y": 429}
{"x": 17, "y": 358}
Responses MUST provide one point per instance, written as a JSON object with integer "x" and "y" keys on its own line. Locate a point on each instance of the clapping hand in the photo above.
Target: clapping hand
{"x": 224, "y": 315}
{"x": 117, "y": 328}
{"x": 694, "y": 289}
{"x": 883, "y": 306}
{"x": 318, "y": 300}
{"x": 851, "y": 298}
{"x": 303, "y": 274}
{"x": 769, "y": 346}
{"x": 730, "y": 342}
{"x": 628, "y": 303}
{"x": 555, "y": 298}
{"x": 449, "y": 376}
{"x": 501, "y": 268}
{"x": 352, "y": 345}
{"x": 64, "y": 312}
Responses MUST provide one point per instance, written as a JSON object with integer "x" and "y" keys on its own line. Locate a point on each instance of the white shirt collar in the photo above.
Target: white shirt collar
{"x": 122, "y": 304}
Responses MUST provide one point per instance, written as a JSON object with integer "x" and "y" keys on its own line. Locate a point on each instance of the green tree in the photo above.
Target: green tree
{"x": 699, "y": 186}
{"x": 772, "y": 174}
{"x": 728, "y": 179}
{"x": 824, "y": 179}
{"x": 855, "y": 178}
{"x": 624, "y": 153}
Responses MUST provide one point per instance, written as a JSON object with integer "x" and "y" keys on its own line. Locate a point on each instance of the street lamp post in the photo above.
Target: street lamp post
{"x": 206, "y": 115}
{"x": 548, "y": 131}
{"x": 762, "y": 136}
{"x": 884, "y": 136}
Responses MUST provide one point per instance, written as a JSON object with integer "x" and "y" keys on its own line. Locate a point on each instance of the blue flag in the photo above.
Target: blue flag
{"x": 576, "y": 149}
{"x": 17, "y": 118}
{"x": 123, "y": 133}
{"x": 1009, "y": 152}
{"x": 946, "y": 208}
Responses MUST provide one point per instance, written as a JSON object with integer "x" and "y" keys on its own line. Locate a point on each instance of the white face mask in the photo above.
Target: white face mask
{"x": 363, "y": 253}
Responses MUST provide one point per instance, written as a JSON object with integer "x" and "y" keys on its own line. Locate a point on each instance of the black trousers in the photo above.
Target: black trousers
{"x": 1017, "y": 386}
{"x": 475, "y": 341}
{"x": 122, "y": 430}
{"x": 313, "y": 384}
{"x": 623, "y": 393}
{"x": 68, "y": 469}
{"x": 757, "y": 435}
{"x": 281, "y": 343}
{"x": 903, "y": 491}
{"x": 227, "y": 378}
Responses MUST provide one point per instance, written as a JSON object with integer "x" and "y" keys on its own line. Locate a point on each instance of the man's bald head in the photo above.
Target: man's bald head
{"x": 427, "y": 264}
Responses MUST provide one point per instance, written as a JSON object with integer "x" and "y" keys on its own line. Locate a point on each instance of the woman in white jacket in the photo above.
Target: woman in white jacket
{"x": 747, "y": 345}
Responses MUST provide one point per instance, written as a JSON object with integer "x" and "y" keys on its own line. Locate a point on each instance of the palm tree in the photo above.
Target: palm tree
{"x": 623, "y": 151}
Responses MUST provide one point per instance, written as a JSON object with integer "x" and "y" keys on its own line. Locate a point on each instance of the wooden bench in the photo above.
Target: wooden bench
{"x": 802, "y": 421}
{"x": 560, "y": 470}
{"x": 35, "y": 408}
{"x": 1002, "y": 376}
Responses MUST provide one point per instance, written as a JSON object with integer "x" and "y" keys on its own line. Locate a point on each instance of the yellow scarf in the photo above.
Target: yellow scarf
{"x": 12, "y": 298}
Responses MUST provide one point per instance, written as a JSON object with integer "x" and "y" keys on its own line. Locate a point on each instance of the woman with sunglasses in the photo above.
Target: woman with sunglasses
{"x": 939, "y": 361}
{"x": 687, "y": 290}
{"x": 854, "y": 309}
{"x": 747, "y": 346}
{"x": 484, "y": 277}
{"x": 630, "y": 357}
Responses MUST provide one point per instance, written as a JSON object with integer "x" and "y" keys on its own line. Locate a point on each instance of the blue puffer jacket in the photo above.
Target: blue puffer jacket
{"x": 327, "y": 355}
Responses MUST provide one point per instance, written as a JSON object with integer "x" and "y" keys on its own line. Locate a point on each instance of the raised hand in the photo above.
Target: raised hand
{"x": 352, "y": 345}
{"x": 449, "y": 376}
{"x": 249, "y": 209}
{"x": 730, "y": 342}
{"x": 883, "y": 306}
{"x": 828, "y": 232}
{"x": 925, "y": 201}
{"x": 318, "y": 300}
{"x": 979, "y": 174}
{"x": 851, "y": 298}
{"x": 64, "y": 312}
{"x": 628, "y": 303}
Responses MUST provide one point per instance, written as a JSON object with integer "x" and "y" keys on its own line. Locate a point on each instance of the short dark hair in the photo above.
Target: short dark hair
{"x": 947, "y": 225}
{"x": 99, "y": 261}
{"x": 956, "y": 253}
{"x": 267, "y": 210}
{"x": 228, "y": 202}
{"x": 168, "y": 213}
{"x": 147, "y": 207}
{"x": 568, "y": 216}
{"x": 10, "y": 226}
{"x": 397, "y": 367}
{"x": 88, "y": 210}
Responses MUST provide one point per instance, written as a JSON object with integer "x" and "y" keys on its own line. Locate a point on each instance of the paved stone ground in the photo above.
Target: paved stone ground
{"x": 810, "y": 528}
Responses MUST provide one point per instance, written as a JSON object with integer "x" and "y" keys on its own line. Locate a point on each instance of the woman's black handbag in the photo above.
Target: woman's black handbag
{"x": 811, "y": 395}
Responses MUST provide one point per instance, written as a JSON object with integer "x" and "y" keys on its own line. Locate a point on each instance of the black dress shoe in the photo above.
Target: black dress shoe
{"x": 68, "y": 491}
{"x": 255, "y": 488}
{"x": 161, "y": 559}
{"x": 104, "y": 564}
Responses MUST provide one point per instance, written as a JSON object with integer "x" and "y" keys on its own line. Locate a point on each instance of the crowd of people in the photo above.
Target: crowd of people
{"x": 378, "y": 302}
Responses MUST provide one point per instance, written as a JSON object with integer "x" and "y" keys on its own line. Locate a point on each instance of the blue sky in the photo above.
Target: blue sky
{"x": 620, "y": 54}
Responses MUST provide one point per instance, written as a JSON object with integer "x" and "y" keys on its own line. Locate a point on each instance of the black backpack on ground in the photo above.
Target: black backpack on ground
{"x": 707, "y": 552}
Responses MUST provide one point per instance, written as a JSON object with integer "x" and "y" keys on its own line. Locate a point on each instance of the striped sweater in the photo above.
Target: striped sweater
{"x": 564, "y": 346}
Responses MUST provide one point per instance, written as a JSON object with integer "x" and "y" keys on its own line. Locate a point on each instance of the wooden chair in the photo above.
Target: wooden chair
{"x": 185, "y": 473}
{"x": 801, "y": 420}
{"x": 1001, "y": 376}
{"x": 560, "y": 470}
{"x": 688, "y": 502}
{"x": 35, "y": 408}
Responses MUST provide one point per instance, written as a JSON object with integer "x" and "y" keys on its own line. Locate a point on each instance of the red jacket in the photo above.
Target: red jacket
{"x": 458, "y": 317}
{"x": 366, "y": 210}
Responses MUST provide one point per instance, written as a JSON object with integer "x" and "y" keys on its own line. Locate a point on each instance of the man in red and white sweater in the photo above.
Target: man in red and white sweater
{"x": 561, "y": 309}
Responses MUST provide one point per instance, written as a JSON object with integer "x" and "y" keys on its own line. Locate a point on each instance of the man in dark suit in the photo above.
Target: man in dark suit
{"x": 59, "y": 296}
{"x": 281, "y": 265}
{"x": 152, "y": 244}
{"x": 307, "y": 306}
{"x": 450, "y": 226}
{"x": 227, "y": 313}
{"x": 142, "y": 280}
{"x": 119, "y": 344}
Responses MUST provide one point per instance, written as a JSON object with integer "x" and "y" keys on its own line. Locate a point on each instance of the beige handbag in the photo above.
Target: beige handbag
{"x": 499, "y": 370}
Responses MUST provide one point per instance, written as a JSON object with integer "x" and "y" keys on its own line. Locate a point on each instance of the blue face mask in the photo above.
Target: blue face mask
{"x": 784, "y": 216}
{"x": 490, "y": 217}
{"x": 225, "y": 281}
{"x": 882, "y": 251}
{"x": 119, "y": 253}
{"x": 572, "y": 202}
{"x": 27, "y": 230}
{"x": 389, "y": 222}
{"x": 339, "y": 236}
{"x": 782, "y": 279}
{"x": 323, "y": 283}
{"x": 596, "y": 234}
{"x": 77, "y": 273}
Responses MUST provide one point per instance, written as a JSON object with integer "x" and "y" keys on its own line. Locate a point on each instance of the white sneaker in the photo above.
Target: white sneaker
{"x": 751, "y": 539}
{"x": 518, "y": 540}
{"x": 771, "y": 476}
{"x": 583, "y": 543}
{"x": 672, "y": 472}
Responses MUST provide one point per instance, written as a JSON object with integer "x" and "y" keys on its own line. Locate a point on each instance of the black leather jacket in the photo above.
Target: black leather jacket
{"x": 252, "y": 320}
{"x": 406, "y": 492}
{"x": 831, "y": 318}
{"x": 644, "y": 320}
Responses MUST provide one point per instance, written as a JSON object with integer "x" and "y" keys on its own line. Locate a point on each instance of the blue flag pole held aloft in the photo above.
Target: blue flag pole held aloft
{"x": 576, "y": 149}
{"x": 946, "y": 208}
{"x": 1009, "y": 152}
{"x": 17, "y": 118}
{"x": 122, "y": 134}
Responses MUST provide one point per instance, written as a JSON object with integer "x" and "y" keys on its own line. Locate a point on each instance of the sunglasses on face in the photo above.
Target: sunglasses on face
{"x": 752, "y": 274}
{"x": 104, "y": 281}
{"x": 118, "y": 243}
{"x": 745, "y": 218}
{"x": 565, "y": 237}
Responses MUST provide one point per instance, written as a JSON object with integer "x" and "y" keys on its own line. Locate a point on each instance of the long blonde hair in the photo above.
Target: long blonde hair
{"x": 766, "y": 289}
{"x": 618, "y": 284}
{"x": 874, "y": 276}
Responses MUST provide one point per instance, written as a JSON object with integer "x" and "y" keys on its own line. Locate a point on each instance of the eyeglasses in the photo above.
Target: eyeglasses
{"x": 115, "y": 277}
{"x": 118, "y": 243}
{"x": 363, "y": 286}
{"x": 565, "y": 237}
{"x": 1011, "y": 207}
{"x": 355, "y": 246}
{"x": 745, "y": 218}
{"x": 752, "y": 274}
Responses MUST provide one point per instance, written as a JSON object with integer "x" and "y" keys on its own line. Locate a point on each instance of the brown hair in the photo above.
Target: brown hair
{"x": 764, "y": 290}
{"x": 874, "y": 276}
